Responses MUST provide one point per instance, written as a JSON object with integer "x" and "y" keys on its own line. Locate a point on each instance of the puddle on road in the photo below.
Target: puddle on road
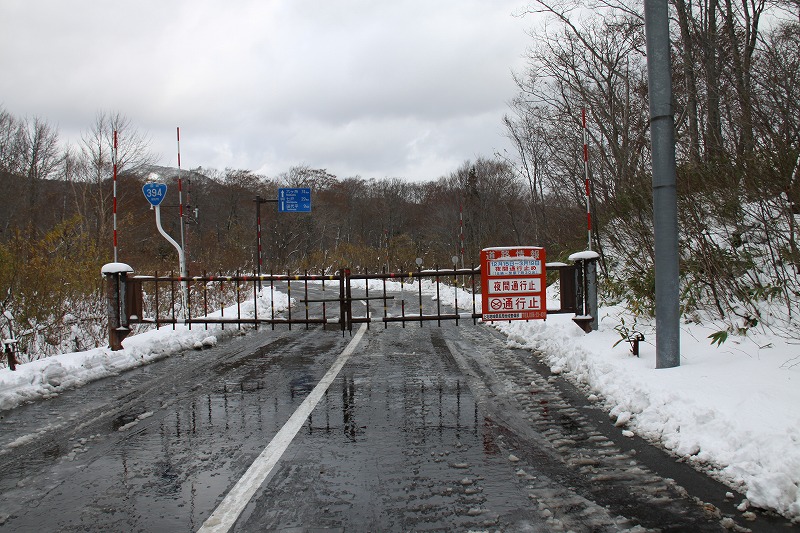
{"x": 172, "y": 470}
{"x": 410, "y": 451}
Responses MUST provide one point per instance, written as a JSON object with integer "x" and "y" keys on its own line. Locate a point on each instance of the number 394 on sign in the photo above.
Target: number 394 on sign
{"x": 154, "y": 193}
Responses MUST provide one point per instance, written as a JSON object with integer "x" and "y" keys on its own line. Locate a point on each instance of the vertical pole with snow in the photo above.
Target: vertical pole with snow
{"x": 586, "y": 175}
{"x": 114, "y": 161}
{"x": 665, "y": 196}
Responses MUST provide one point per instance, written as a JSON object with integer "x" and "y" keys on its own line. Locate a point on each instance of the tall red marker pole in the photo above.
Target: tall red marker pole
{"x": 114, "y": 160}
{"x": 586, "y": 175}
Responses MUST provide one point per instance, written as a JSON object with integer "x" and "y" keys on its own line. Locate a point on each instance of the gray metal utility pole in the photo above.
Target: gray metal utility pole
{"x": 665, "y": 198}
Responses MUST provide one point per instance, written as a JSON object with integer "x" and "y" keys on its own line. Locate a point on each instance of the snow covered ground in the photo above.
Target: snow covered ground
{"x": 47, "y": 377}
{"x": 729, "y": 409}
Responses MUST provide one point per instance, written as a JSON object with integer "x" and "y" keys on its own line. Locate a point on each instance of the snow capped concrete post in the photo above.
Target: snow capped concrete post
{"x": 587, "y": 308}
{"x": 115, "y": 274}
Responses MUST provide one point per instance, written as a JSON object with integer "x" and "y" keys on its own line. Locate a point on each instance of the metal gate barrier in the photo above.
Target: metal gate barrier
{"x": 327, "y": 300}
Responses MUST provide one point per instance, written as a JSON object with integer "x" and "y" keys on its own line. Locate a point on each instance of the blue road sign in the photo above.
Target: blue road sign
{"x": 294, "y": 200}
{"x": 154, "y": 192}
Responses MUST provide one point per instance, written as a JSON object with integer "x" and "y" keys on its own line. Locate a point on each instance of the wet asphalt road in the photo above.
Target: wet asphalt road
{"x": 423, "y": 429}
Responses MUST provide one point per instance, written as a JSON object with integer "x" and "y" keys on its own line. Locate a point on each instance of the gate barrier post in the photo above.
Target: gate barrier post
{"x": 115, "y": 275}
{"x": 591, "y": 291}
{"x": 586, "y": 289}
{"x": 567, "y": 282}
{"x": 343, "y": 318}
{"x": 9, "y": 352}
{"x": 579, "y": 288}
{"x": 348, "y": 303}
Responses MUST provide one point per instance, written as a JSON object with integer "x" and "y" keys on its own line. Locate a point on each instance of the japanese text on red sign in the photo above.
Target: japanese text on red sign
{"x": 515, "y": 267}
{"x": 513, "y": 283}
{"x": 508, "y": 286}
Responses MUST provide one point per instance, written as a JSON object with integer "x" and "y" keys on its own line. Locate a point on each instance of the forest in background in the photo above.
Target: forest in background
{"x": 54, "y": 241}
{"x": 736, "y": 88}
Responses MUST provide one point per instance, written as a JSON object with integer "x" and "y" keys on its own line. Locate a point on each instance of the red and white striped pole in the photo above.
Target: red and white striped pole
{"x": 586, "y": 175}
{"x": 114, "y": 161}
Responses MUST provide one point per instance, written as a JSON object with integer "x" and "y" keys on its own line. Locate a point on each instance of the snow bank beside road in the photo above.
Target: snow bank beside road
{"x": 729, "y": 409}
{"x": 47, "y": 377}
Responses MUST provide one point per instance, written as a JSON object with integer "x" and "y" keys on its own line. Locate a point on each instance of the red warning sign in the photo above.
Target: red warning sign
{"x": 513, "y": 283}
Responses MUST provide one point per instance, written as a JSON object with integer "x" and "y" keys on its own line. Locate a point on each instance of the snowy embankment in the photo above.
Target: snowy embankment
{"x": 730, "y": 409}
{"x": 47, "y": 377}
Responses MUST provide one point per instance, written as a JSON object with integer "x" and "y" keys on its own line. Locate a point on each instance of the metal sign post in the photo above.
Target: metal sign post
{"x": 155, "y": 194}
{"x": 180, "y": 199}
{"x": 259, "y": 261}
{"x": 290, "y": 200}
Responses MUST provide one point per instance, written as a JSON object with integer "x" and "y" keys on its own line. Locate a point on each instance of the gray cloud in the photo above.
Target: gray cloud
{"x": 410, "y": 88}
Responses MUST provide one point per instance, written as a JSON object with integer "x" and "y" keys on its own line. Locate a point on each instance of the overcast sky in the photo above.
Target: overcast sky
{"x": 403, "y": 88}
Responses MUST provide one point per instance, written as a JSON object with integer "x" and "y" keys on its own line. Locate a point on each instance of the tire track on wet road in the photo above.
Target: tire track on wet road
{"x": 155, "y": 448}
{"x": 543, "y": 419}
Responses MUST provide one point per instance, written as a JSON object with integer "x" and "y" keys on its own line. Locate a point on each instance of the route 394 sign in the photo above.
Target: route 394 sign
{"x": 513, "y": 283}
{"x": 155, "y": 193}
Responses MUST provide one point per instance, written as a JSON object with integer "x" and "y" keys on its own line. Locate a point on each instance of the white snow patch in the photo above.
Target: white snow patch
{"x": 47, "y": 377}
{"x": 728, "y": 409}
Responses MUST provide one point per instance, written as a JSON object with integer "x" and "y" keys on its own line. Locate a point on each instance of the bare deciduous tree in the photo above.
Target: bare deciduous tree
{"x": 40, "y": 159}
{"x": 92, "y": 173}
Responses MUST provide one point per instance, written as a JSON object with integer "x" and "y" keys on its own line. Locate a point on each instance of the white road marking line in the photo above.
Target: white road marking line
{"x": 231, "y": 507}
